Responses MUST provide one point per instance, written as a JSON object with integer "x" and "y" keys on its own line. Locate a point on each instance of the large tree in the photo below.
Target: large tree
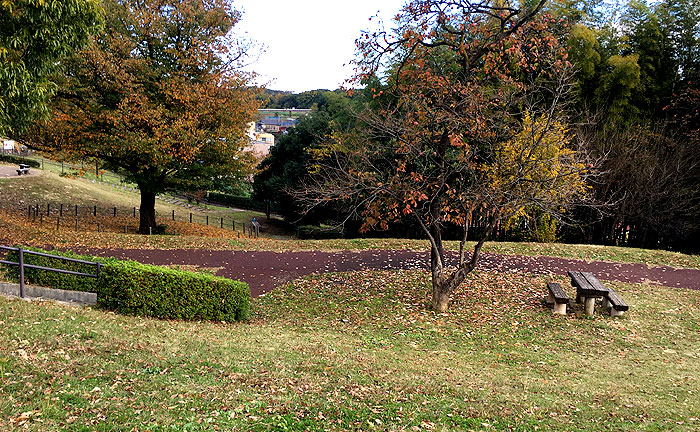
{"x": 35, "y": 36}
{"x": 158, "y": 96}
{"x": 466, "y": 130}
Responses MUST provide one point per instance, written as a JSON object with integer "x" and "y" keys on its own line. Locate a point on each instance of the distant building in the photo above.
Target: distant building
{"x": 276, "y": 124}
{"x": 260, "y": 142}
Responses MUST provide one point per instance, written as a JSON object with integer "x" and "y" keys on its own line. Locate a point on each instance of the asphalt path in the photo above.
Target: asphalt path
{"x": 264, "y": 270}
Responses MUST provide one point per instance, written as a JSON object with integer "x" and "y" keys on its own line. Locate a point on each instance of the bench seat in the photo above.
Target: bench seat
{"x": 558, "y": 298}
{"x": 618, "y": 305}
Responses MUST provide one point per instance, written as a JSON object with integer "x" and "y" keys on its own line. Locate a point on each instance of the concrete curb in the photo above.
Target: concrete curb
{"x": 34, "y": 292}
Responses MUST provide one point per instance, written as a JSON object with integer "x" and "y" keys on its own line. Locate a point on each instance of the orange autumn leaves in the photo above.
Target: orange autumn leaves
{"x": 158, "y": 95}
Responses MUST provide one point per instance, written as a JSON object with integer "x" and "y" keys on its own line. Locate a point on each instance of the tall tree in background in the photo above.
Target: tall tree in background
{"x": 35, "y": 36}
{"x": 288, "y": 163}
{"x": 157, "y": 96}
{"x": 635, "y": 66}
{"x": 467, "y": 130}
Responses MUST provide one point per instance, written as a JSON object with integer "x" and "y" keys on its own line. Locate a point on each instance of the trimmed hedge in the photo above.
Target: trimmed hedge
{"x": 313, "y": 232}
{"x": 139, "y": 289}
{"x": 238, "y": 201}
{"x": 19, "y": 159}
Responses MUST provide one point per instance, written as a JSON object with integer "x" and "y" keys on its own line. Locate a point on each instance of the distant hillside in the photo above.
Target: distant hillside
{"x": 276, "y": 99}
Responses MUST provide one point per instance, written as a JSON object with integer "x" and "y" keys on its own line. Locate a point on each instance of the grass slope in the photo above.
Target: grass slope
{"x": 48, "y": 187}
{"x": 359, "y": 351}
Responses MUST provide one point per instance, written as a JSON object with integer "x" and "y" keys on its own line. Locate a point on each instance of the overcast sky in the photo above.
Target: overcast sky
{"x": 308, "y": 41}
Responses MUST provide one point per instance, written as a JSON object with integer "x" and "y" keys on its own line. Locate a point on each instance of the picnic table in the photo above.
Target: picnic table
{"x": 589, "y": 288}
{"x": 23, "y": 169}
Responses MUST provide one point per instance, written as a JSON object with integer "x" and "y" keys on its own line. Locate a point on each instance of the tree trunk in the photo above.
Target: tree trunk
{"x": 440, "y": 299}
{"x": 444, "y": 285}
{"x": 148, "y": 211}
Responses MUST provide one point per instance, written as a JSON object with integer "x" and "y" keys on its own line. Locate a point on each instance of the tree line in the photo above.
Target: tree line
{"x": 630, "y": 101}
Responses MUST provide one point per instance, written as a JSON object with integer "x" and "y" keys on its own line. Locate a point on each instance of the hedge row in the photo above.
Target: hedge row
{"x": 139, "y": 289}
{"x": 315, "y": 232}
{"x": 19, "y": 159}
{"x": 237, "y": 201}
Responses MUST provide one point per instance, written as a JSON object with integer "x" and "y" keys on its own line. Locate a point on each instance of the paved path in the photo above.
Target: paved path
{"x": 264, "y": 271}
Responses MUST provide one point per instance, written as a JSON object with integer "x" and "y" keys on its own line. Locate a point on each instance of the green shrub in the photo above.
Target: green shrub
{"x": 19, "y": 159}
{"x": 243, "y": 202}
{"x": 140, "y": 289}
{"x": 322, "y": 232}
{"x": 545, "y": 229}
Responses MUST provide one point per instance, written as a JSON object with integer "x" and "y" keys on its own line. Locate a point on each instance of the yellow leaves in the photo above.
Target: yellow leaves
{"x": 536, "y": 164}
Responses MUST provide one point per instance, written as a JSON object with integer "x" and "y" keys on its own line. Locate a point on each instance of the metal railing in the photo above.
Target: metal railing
{"x": 22, "y": 265}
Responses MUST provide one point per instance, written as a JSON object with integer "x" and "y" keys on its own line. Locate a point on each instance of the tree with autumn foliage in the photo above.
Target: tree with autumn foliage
{"x": 465, "y": 129}
{"x": 35, "y": 36}
{"x": 158, "y": 96}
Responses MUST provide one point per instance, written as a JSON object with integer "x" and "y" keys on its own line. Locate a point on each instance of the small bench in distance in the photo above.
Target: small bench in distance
{"x": 615, "y": 302}
{"x": 558, "y": 298}
{"x": 23, "y": 171}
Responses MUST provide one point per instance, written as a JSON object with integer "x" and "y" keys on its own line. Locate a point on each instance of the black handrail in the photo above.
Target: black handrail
{"x": 22, "y": 265}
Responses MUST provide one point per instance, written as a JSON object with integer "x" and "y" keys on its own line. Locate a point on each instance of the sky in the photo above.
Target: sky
{"x": 307, "y": 42}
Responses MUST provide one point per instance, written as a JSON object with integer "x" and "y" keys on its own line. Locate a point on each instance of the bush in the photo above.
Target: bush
{"x": 19, "y": 159}
{"x": 322, "y": 232}
{"x": 243, "y": 202}
{"x": 139, "y": 289}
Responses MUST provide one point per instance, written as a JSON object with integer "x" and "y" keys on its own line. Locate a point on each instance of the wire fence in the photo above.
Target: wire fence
{"x": 82, "y": 169}
{"x": 97, "y": 219}
{"x": 61, "y": 216}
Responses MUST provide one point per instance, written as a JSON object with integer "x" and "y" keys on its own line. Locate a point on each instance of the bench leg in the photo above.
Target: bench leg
{"x": 606, "y": 303}
{"x": 616, "y": 313}
{"x": 550, "y": 298}
{"x": 590, "y": 305}
{"x": 560, "y": 308}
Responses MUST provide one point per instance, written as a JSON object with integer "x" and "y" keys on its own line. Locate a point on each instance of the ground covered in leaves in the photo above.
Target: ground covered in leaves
{"x": 359, "y": 351}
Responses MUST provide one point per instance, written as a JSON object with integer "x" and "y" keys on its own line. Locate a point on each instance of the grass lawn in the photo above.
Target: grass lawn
{"x": 48, "y": 187}
{"x": 359, "y": 351}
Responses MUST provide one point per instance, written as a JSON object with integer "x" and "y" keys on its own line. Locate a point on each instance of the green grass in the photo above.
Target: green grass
{"x": 359, "y": 351}
{"x": 49, "y": 187}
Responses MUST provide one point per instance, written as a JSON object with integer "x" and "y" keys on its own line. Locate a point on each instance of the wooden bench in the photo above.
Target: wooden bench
{"x": 615, "y": 302}
{"x": 557, "y": 298}
{"x": 589, "y": 288}
{"x": 23, "y": 169}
